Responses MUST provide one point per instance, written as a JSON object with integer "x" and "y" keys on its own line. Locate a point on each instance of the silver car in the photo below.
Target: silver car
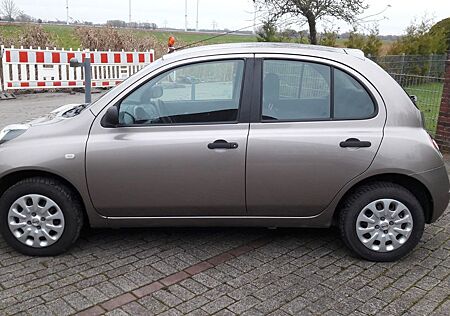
{"x": 271, "y": 135}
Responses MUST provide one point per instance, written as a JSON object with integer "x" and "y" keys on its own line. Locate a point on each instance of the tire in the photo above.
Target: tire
{"x": 387, "y": 237}
{"x": 64, "y": 213}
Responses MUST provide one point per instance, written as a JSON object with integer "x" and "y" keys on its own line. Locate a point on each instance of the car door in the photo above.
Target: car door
{"x": 318, "y": 125}
{"x": 180, "y": 146}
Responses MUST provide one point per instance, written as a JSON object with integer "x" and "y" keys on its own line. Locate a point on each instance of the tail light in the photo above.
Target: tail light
{"x": 434, "y": 143}
{"x": 422, "y": 119}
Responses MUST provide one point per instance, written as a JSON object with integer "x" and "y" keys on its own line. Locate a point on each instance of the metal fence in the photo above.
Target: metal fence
{"x": 419, "y": 65}
{"x": 422, "y": 76}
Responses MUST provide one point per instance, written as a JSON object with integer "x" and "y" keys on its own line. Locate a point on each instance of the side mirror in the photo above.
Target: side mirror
{"x": 111, "y": 117}
{"x": 414, "y": 98}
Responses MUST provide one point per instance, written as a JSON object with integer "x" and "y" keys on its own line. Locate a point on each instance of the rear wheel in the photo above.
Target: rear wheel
{"x": 381, "y": 221}
{"x": 40, "y": 217}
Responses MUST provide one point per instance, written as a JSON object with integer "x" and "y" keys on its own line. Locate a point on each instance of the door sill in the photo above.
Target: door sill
{"x": 218, "y": 221}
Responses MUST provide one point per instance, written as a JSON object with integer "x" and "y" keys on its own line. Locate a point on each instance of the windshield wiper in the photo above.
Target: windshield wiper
{"x": 75, "y": 111}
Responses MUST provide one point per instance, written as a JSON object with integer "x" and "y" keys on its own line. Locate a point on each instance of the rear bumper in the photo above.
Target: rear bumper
{"x": 437, "y": 182}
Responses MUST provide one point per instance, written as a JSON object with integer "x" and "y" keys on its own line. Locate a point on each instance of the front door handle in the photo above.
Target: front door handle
{"x": 354, "y": 142}
{"x": 222, "y": 144}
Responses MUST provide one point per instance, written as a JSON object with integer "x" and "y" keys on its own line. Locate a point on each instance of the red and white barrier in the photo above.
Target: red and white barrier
{"x": 43, "y": 69}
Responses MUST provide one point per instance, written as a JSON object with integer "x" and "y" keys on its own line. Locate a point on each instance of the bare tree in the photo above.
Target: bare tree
{"x": 22, "y": 17}
{"x": 313, "y": 11}
{"x": 9, "y": 9}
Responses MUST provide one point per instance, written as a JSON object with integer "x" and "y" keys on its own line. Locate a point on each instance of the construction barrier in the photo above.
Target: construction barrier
{"x": 24, "y": 68}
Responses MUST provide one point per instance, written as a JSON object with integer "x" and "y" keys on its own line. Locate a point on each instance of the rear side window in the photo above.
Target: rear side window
{"x": 299, "y": 91}
{"x": 295, "y": 90}
{"x": 351, "y": 100}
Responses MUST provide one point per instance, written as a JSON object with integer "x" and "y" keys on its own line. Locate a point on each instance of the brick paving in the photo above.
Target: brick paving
{"x": 222, "y": 271}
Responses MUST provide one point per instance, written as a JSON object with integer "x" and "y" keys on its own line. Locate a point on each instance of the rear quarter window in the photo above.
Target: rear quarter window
{"x": 351, "y": 99}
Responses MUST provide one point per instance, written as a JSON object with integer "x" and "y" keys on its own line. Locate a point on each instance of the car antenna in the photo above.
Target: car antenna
{"x": 172, "y": 39}
{"x": 171, "y": 44}
{"x": 215, "y": 36}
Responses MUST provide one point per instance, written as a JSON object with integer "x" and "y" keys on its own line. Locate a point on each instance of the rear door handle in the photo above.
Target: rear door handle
{"x": 222, "y": 144}
{"x": 354, "y": 142}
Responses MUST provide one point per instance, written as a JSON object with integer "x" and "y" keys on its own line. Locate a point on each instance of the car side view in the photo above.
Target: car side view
{"x": 271, "y": 135}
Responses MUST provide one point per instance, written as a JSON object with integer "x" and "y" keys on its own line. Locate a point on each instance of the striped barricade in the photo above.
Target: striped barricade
{"x": 43, "y": 69}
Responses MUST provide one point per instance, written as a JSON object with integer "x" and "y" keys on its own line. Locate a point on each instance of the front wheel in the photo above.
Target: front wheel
{"x": 381, "y": 221}
{"x": 40, "y": 217}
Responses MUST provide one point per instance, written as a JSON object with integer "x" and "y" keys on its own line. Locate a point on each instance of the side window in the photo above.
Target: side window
{"x": 351, "y": 100}
{"x": 294, "y": 90}
{"x": 197, "y": 93}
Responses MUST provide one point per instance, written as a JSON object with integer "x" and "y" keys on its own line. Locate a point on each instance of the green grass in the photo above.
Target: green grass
{"x": 10, "y": 30}
{"x": 65, "y": 36}
{"x": 189, "y": 37}
{"x": 429, "y": 100}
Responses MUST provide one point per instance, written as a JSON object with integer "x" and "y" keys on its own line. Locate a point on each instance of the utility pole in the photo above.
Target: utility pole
{"x": 129, "y": 12}
{"x": 254, "y": 19}
{"x": 196, "y": 23}
{"x": 67, "y": 12}
{"x": 185, "y": 16}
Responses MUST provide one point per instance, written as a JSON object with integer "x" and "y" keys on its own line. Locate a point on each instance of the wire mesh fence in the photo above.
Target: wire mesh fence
{"x": 422, "y": 76}
{"x": 421, "y": 65}
{"x": 428, "y": 91}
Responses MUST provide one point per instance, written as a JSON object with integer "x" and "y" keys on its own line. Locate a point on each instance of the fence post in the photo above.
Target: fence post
{"x": 1, "y": 68}
{"x": 402, "y": 63}
{"x": 87, "y": 78}
{"x": 443, "y": 125}
{"x": 430, "y": 65}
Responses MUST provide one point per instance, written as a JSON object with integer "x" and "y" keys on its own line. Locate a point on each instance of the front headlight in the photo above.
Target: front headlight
{"x": 12, "y": 131}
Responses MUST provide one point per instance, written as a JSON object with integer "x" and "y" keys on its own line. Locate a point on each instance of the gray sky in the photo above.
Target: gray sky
{"x": 232, "y": 14}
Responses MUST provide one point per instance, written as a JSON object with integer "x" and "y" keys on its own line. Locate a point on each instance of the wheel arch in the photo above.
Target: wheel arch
{"x": 14, "y": 177}
{"x": 417, "y": 188}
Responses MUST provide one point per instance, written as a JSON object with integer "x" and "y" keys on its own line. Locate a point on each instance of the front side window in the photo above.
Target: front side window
{"x": 294, "y": 90}
{"x": 196, "y": 93}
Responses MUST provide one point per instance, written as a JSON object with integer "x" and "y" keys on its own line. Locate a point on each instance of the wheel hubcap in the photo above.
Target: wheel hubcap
{"x": 384, "y": 225}
{"x": 36, "y": 220}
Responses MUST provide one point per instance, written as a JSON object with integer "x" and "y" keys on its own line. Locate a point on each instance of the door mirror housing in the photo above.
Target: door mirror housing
{"x": 111, "y": 117}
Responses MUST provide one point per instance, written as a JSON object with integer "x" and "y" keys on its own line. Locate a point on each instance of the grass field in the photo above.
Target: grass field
{"x": 10, "y": 31}
{"x": 429, "y": 99}
{"x": 65, "y": 36}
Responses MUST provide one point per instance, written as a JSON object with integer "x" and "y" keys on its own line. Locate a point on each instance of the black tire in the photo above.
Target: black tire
{"x": 366, "y": 194}
{"x": 59, "y": 193}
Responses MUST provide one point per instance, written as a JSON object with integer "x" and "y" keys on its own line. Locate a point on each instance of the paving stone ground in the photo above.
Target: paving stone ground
{"x": 219, "y": 271}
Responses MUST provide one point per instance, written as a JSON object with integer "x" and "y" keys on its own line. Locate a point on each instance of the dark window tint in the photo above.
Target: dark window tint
{"x": 197, "y": 93}
{"x": 351, "y": 100}
{"x": 294, "y": 90}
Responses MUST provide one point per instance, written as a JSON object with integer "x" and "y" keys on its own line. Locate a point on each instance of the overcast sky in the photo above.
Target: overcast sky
{"x": 231, "y": 14}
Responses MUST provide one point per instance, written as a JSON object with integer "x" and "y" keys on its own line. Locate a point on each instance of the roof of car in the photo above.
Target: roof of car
{"x": 260, "y": 47}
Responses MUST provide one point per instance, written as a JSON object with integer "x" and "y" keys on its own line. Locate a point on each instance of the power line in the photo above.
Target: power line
{"x": 226, "y": 33}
